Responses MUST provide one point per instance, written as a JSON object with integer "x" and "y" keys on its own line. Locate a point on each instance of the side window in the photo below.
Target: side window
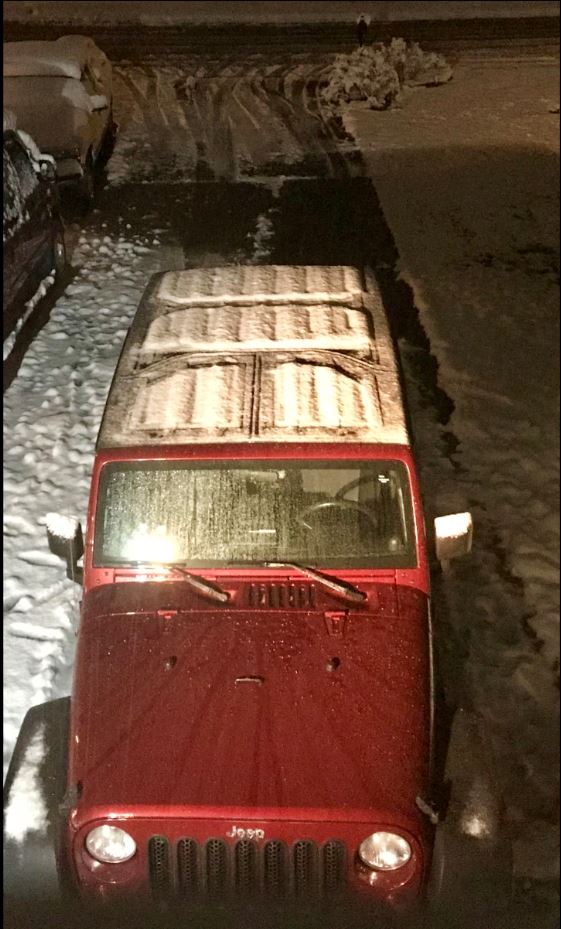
{"x": 97, "y": 74}
{"x": 21, "y": 161}
{"x": 89, "y": 82}
{"x": 13, "y": 205}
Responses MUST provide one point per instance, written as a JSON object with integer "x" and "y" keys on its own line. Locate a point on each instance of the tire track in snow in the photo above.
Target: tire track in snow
{"x": 167, "y": 144}
{"x": 313, "y": 157}
{"x": 241, "y": 120}
{"x": 297, "y": 87}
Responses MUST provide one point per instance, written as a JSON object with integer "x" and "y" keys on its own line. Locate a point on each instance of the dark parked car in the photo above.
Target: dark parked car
{"x": 61, "y": 94}
{"x": 34, "y": 250}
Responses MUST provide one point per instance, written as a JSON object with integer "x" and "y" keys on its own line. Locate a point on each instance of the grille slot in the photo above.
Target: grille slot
{"x": 282, "y": 596}
{"x": 275, "y": 868}
{"x": 159, "y": 864}
{"x": 245, "y": 867}
{"x": 305, "y": 868}
{"x": 334, "y": 862}
{"x": 216, "y": 866}
{"x": 188, "y": 877}
{"x": 218, "y": 869}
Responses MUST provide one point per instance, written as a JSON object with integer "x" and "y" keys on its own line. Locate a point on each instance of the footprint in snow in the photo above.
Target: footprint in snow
{"x": 17, "y": 524}
{"x": 40, "y": 559}
{"x": 35, "y": 632}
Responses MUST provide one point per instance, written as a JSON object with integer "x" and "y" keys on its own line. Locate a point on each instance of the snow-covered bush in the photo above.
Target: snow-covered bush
{"x": 376, "y": 73}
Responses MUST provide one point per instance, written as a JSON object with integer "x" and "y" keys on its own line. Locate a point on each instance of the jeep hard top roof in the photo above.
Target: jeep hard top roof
{"x": 256, "y": 353}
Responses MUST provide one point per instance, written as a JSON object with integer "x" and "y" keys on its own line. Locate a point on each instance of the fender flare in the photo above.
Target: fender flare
{"x": 36, "y": 779}
{"x": 471, "y": 873}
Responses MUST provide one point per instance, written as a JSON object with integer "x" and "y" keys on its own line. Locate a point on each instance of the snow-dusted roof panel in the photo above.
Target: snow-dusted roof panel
{"x": 258, "y": 327}
{"x": 279, "y": 284}
{"x": 256, "y": 354}
{"x": 204, "y": 398}
{"x": 311, "y": 394}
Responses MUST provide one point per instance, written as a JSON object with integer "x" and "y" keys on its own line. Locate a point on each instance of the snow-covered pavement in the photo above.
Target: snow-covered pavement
{"x": 51, "y": 417}
{"x": 468, "y": 179}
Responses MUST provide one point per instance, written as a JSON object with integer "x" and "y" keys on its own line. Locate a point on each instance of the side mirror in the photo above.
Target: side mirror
{"x": 99, "y": 102}
{"x": 64, "y": 535}
{"x": 453, "y": 535}
{"x": 47, "y": 169}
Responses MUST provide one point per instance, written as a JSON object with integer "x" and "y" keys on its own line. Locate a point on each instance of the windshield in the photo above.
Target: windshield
{"x": 28, "y": 94}
{"x": 224, "y": 513}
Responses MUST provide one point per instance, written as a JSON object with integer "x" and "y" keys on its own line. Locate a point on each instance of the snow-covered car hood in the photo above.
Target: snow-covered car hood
{"x": 66, "y": 56}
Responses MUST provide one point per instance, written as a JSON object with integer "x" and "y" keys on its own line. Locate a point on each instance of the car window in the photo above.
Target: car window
{"x": 213, "y": 514}
{"x": 28, "y": 180}
{"x": 15, "y": 211}
{"x": 89, "y": 81}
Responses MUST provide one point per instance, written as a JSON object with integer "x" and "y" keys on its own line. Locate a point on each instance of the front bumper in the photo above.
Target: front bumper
{"x": 178, "y": 860}
{"x": 68, "y": 169}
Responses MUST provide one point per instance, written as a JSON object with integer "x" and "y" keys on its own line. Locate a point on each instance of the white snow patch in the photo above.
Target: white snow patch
{"x": 52, "y": 412}
{"x": 262, "y": 239}
{"x": 453, "y": 526}
{"x": 64, "y": 527}
{"x": 36, "y": 632}
{"x": 33, "y": 148}
{"x": 42, "y": 289}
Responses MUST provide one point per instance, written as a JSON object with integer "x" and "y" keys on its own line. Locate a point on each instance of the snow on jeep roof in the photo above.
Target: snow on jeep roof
{"x": 256, "y": 353}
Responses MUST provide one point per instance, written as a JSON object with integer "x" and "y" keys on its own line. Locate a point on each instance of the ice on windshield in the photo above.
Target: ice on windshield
{"x": 221, "y": 513}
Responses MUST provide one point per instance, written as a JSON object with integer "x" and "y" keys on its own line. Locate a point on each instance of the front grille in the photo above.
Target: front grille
{"x": 281, "y": 596}
{"x": 217, "y": 868}
{"x": 159, "y": 864}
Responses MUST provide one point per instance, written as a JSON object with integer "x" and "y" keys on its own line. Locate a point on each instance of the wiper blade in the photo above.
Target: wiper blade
{"x": 343, "y": 588}
{"x": 204, "y": 587}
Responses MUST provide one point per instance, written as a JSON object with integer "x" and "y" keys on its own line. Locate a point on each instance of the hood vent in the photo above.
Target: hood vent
{"x": 282, "y": 596}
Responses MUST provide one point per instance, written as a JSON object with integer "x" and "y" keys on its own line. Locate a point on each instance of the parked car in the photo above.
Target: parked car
{"x": 61, "y": 92}
{"x": 33, "y": 234}
{"x": 253, "y": 707}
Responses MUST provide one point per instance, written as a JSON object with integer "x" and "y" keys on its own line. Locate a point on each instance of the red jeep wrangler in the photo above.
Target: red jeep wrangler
{"x": 253, "y": 708}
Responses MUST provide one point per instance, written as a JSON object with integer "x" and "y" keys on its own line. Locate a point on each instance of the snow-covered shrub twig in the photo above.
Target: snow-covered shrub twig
{"x": 376, "y": 73}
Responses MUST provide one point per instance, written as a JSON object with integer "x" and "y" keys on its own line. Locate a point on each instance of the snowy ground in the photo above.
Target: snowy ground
{"x": 468, "y": 178}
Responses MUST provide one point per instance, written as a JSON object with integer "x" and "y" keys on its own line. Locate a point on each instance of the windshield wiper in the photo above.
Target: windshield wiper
{"x": 208, "y": 590}
{"x": 343, "y": 588}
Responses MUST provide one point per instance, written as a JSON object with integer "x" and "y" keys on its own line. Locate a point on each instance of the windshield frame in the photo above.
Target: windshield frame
{"x": 306, "y": 456}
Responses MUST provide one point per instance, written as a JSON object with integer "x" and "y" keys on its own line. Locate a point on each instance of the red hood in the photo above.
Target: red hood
{"x": 161, "y": 717}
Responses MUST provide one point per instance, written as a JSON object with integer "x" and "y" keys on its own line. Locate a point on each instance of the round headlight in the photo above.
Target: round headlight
{"x": 385, "y": 851}
{"x": 110, "y": 844}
